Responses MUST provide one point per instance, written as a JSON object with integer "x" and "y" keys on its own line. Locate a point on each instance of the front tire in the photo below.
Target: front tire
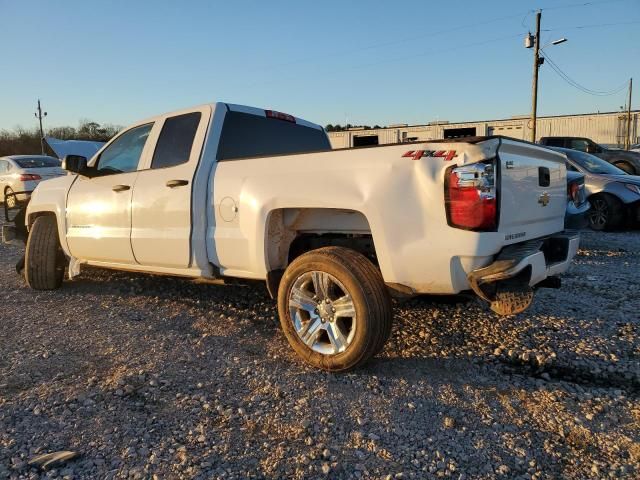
{"x": 334, "y": 308}
{"x": 606, "y": 212}
{"x": 44, "y": 260}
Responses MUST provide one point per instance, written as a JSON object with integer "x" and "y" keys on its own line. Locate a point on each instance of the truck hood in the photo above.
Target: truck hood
{"x": 83, "y": 148}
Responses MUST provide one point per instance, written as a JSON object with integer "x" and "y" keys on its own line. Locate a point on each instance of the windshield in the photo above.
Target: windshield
{"x": 593, "y": 164}
{"x": 38, "y": 162}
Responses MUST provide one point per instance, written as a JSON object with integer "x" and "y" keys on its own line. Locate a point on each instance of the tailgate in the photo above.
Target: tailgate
{"x": 533, "y": 191}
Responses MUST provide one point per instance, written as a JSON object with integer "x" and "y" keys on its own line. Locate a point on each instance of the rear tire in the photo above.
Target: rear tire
{"x": 44, "y": 260}
{"x": 606, "y": 212}
{"x": 335, "y": 299}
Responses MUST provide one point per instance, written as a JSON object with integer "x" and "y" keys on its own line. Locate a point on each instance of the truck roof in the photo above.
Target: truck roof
{"x": 261, "y": 112}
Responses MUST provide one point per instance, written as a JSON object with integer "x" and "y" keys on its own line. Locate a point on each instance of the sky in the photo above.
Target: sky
{"x": 359, "y": 62}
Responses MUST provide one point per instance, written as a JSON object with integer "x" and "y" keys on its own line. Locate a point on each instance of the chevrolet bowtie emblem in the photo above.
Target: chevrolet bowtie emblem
{"x": 544, "y": 199}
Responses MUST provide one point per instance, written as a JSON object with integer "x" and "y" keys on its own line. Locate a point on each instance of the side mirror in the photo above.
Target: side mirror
{"x": 74, "y": 163}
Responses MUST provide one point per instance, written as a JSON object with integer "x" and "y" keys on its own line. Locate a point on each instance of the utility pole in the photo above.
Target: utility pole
{"x": 536, "y": 66}
{"x": 627, "y": 141}
{"x": 39, "y": 115}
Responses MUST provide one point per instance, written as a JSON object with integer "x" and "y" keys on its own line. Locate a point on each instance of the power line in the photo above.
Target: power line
{"x": 403, "y": 58}
{"x": 578, "y": 86}
{"x": 395, "y": 42}
{"x": 582, "y": 4}
{"x": 593, "y": 25}
{"x": 572, "y": 5}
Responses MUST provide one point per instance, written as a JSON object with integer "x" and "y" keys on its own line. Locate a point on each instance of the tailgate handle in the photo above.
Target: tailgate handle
{"x": 544, "y": 177}
{"x": 120, "y": 188}
{"x": 177, "y": 183}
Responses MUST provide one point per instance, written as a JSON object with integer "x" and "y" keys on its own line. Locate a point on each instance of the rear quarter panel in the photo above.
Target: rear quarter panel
{"x": 401, "y": 198}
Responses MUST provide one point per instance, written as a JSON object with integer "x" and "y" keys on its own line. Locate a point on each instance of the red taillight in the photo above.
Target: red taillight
{"x": 27, "y": 177}
{"x": 471, "y": 197}
{"x": 280, "y": 116}
{"x": 573, "y": 190}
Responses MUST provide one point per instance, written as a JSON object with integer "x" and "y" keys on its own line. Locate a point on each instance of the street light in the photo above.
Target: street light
{"x": 534, "y": 41}
{"x": 557, "y": 42}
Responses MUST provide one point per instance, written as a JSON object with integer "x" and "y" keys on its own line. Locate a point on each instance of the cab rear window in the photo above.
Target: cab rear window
{"x": 247, "y": 135}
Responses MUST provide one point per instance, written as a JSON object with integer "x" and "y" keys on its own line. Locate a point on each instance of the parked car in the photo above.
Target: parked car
{"x": 614, "y": 195}
{"x": 223, "y": 190}
{"x": 22, "y": 173}
{"x": 577, "y": 216}
{"x": 625, "y": 160}
{"x": 635, "y": 148}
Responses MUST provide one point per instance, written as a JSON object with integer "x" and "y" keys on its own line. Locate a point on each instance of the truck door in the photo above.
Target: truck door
{"x": 161, "y": 215}
{"x": 99, "y": 208}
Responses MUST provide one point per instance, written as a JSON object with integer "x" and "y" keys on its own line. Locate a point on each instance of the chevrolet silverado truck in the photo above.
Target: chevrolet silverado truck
{"x": 222, "y": 191}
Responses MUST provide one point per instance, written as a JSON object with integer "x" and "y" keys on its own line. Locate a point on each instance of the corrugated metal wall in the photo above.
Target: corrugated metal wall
{"x": 604, "y": 128}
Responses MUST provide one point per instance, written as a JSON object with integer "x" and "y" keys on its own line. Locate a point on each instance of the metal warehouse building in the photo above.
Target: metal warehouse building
{"x": 608, "y": 128}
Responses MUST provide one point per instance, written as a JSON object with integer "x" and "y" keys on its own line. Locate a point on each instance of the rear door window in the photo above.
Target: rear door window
{"x": 176, "y": 140}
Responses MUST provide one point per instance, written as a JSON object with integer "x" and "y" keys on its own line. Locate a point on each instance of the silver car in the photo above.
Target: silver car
{"x": 613, "y": 193}
{"x": 21, "y": 173}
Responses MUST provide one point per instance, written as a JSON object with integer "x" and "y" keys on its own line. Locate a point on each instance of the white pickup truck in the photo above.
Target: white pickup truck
{"x": 226, "y": 190}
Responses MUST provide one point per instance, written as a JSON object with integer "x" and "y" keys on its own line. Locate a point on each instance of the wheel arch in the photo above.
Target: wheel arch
{"x": 290, "y": 232}
{"x": 286, "y": 226}
{"x": 33, "y": 214}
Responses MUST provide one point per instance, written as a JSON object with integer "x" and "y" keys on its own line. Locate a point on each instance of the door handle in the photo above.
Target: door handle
{"x": 177, "y": 183}
{"x": 120, "y": 188}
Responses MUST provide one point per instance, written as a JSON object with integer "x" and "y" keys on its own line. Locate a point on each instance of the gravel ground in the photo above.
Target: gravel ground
{"x": 150, "y": 377}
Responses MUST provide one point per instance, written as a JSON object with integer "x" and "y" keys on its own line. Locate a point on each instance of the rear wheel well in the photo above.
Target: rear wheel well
{"x": 291, "y": 232}
{"x": 305, "y": 242}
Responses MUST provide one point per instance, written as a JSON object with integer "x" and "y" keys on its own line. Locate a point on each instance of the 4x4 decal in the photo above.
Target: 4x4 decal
{"x": 418, "y": 154}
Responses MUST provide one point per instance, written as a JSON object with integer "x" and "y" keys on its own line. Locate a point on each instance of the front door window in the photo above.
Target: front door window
{"x": 123, "y": 155}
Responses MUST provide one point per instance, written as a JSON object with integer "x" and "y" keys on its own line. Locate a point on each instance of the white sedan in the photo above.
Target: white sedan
{"x": 21, "y": 173}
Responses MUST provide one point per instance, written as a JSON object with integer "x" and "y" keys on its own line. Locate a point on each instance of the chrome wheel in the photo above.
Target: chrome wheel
{"x": 599, "y": 214}
{"x": 322, "y": 312}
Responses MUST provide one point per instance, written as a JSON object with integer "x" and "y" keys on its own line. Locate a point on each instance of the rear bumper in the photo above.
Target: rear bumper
{"x": 529, "y": 263}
